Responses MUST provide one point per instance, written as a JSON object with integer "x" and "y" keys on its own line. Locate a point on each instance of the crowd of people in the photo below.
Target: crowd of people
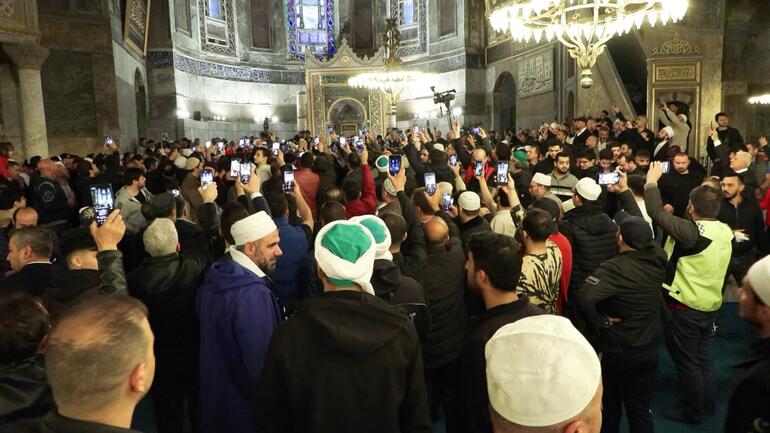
{"x": 501, "y": 281}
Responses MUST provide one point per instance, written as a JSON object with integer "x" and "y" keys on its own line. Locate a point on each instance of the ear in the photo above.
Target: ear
{"x": 75, "y": 262}
{"x": 138, "y": 380}
{"x": 405, "y": 236}
{"x": 577, "y": 426}
{"x": 178, "y": 247}
{"x": 26, "y": 251}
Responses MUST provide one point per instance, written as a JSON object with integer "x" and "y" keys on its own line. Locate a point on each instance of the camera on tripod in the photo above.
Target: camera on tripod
{"x": 445, "y": 97}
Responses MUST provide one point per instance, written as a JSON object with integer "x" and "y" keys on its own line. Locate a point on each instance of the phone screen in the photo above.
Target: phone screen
{"x": 609, "y": 178}
{"x": 101, "y": 196}
{"x": 245, "y": 172}
{"x": 446, "y": 202}
{"x": 415, "y": 129}
{"x": 479, "y": 168}
{"x": 475, "y": 131}
{"x": 288, "y": 181}
{"x": 206, "y": 178}
{"x": 175, "y": 192}
{"x": 330, "y": 130}
{"x": 430, "y": 183}
{"x": 108, "y": 139}
{"x": 220, "y": 146}
{"x": 343, "y": 140}
{"x": 360, "y": 147}
{"x": 453, "y": 160}
{"x": 316, "y": 140}
{"x": 666, "y": 167}
{"x": 502, "y": 173}
{"x": 276, "y": 147}
{"x": 235, "y": 167}
{"x": 208, "y": 144}
{"x": 394, "y": 164}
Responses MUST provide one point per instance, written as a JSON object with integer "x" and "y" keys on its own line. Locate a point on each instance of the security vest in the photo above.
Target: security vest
{"x": 695, "y": 275}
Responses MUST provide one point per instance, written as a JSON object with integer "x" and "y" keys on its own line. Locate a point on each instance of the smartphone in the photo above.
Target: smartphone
{"x": 208, "y": 144}
{"x": 343, "y": 140}
{"x": 666, "y": 167}
{"x": 330, "y": 130}
{"x": 453, "y": 160}
{"x": 360, "y": 147}
{"x": 364, "y": 131}
{"x": 479, "y": 170}
{"x": 235, "y": 167}
{"x": 394, "y": 164}
{"x": 242, "y": 142}
{"x": 175, "y": 192}
{"x": 276, "y": 148}
{"x": 316, "y": 141}
{"x": 206, "y": 178}
{"x": 102, "y": 199}
{"x": 221, "y": 146}
{"x": 108, "y": 139}
{"x": 446, "y": 202}
{"x": 245, "y": 172}
{"x": 502, "y": 173}
{"x": 415, "y": 129}
{"x": 475, "y": 131}
{"x": 609, "y": 178}
{"x": 430, "y": 183}
{"x": 288, "y": 181}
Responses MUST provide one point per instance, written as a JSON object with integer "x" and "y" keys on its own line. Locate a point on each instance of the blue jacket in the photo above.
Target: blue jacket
{"x": 238, "y": 314}
{"x": 290, "y": 266}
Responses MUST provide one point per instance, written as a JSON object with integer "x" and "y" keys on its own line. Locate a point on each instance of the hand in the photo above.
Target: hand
{"x": 629, "y": 125}
{"x": 456, "y": 129}
{"x": 455, "y": 169}
{"x": 296, "y": 192}
{"x": 302, "y": 144}
{"x": 612, "y": 320}
{"x": 655, "y": 172}
{"x": 615, "y": 108}
{"x": 281, "y": 162}
{"x": 208, "y": 194}
{"x": 399, "y": 180}
{"x": 510, "y": 187}
{"x": 644, "y": 135}
{"x": 762, "y": 141}
{"x": 668, "y": 208}
{"x": 740, "y": 235}
{"x": 482, "y": 133}
{"x": 254, "y": 185}
{"x": 484, "y": 212}
{"x": 434, "y": 200}
{"x": 365, "y": 156}
{"x": 713, "y": 134}
{"x": 110, "y": 233}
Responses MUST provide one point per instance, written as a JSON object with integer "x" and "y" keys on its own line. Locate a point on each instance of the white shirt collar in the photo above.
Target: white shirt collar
{"x": 245, "y": 261}
{"x": 742, "y": 170}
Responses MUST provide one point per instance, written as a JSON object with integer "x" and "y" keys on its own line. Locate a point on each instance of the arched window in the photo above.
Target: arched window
{"x": 215, "y": 9}
{"x": 311, "y": 25}
{"x": 407, "y": 13}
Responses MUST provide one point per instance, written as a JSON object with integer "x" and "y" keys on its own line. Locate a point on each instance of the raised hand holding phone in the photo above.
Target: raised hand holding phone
{"x": 108, "y": 235}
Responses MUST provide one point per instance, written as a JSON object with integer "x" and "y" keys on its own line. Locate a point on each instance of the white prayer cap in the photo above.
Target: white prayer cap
{"x": 684, "y": 118}
{"x": 541, "y": 371}
{"x": 187, "y": 152}
{"x": 469, "y": 201}
{"x": 252, "y": 228}
{"x": 669, "y": 131}
{"x": 588, "y": 189}
{"x": 439, "y": 146}
{"x": 180, "y": 162}
{"x": 445, "y": 188}
{"x": 759, "y": 278}
{"x": 542, "y": 179}
{"x": 380, "y": 233}
{"x": 345, "y": 252}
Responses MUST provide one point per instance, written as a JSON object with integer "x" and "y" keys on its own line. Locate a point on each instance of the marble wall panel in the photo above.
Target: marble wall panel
{"x": 68, "y": 94}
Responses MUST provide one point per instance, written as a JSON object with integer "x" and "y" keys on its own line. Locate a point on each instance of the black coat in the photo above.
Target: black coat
{"x": 402, "y": 291}
{"x": 55, "y": 423}
{"x": 627, "y": 287}
{"x": 24, "y": 390}
{"x": 347, "y": 361}
{"x": 32, "y": 279}
{"x": 468, "y": 228}
{"x": 675, "y": 189}
{"x": 730, "y": 139}
{"x": 748, "y": 408}
{"x": 747, "y": 216}
{"x": 592, "y": 236}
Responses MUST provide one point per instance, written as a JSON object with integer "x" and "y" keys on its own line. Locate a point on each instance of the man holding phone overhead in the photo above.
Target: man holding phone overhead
{"x": 191, "y": 182}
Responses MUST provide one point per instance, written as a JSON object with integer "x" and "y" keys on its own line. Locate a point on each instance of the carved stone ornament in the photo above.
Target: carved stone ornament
{"x": 345, "y": 58}
{"x": 26, "y": 56}
{"x": 675, "y": 47}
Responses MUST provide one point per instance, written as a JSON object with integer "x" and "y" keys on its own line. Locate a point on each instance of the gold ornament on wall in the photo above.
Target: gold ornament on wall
{"x": 676, "y": 46}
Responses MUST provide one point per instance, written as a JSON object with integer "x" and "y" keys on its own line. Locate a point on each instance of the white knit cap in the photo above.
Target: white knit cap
{"x": 380, "y": 233}
{"x": 187, "y": 152}
{"x": 345, "y": 252}
{"x": 252, "y": 228}
{"x": 759, "y": 278}
{"x": 445, "y": 188}
{"x": 180, "y": 162}
{"x": 469, "y": 201}
{"x": 542, "y": 179}
{"x": 588, "y": 189}
{"x": 541, "y": 371}
{"x": 439, "y": 146}
{"x": 669, "y": 131}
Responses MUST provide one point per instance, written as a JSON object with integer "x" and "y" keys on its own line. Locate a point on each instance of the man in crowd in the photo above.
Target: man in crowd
{"x": 530, "y": 390}
{"x": 699, "y": 252}
{"x": 29, "y": 253}
{"x": 541, "y": 263}
{"x": 192, "y": 182}
{"x": 492, "y": 269}
{"x": 585, "y": 164}
{"x": 100, "y": 363}
{"x": 130, "y": 199}
{"x": 747, "y": 410}
{"x": 238, "y": 313}
{"x": 722, "y": 140}
{"x": 675, "y": 186}
{"x": 469, "y": 219}
{"x": 321, "y": 347}
{"x": 48, "y": 198}
{"x": 662, "y": 144}
{"x": 308, "y": 181}
{"x": 562, "y": 181}
{"x": 541, "y": 187}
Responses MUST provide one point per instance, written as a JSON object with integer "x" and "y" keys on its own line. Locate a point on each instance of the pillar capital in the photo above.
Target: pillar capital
{"x": 26, "y": 56}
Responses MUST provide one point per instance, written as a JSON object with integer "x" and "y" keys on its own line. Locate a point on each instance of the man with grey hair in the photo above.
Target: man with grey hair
{"x": 740, "y": 163}
{"x": 167, "y": 282}
{"x": 29, "y": 253}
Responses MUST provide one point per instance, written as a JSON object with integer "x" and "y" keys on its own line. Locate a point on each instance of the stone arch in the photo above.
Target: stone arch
{"x": 140, "y": 95}
{"x": 505, "y": 102}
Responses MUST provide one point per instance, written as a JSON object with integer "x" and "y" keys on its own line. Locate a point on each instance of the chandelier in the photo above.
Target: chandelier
{"x": 392, "y": 79}
{"x": 760, "y": 100}
{"x": 583, "y": 26}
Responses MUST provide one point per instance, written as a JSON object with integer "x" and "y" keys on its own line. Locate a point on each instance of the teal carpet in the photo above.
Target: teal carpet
{"x": 730, "y": 347}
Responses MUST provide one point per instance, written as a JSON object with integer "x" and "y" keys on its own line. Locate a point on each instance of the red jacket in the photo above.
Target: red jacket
{"x": 470, "y": 172}
{"x": 4, "y": 167}
{"x": 566, "y": 268}
{"x": 308, "y": 183}
{"x": 765, "y": 204}
{"x": 367, "y": 203}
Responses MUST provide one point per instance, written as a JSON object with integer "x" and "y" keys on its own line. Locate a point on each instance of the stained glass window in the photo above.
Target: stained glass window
{"x": 311, "y": 25}
{"x": 215, "y": 9}
{"x": 406, "y": 11}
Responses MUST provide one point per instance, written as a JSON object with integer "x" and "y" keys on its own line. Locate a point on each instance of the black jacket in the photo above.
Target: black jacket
{"x": 49, "y": 200}
{"x": 592, "y": 236}
{"x": 24, "y": 390}
{"x": 730, "y": 139}
{"x": 468, "y": 228}
{"x": 55, "y": 423}
{"x": 747, "y": 216}
{"x": 474, "y": 404}
{"x": 442, "y": 275}
{"x": 32, "y": 279}
{"x": 345, "y": 362}
{"x": 402, "y": 291}
{"x": 748, "y": 409}
{"x": 70, "y": 286}
{"x": 627, "y": 287}
{"x": 675, "y": 189}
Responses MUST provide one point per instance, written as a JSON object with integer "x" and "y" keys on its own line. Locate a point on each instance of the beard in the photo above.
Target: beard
{"x": 266, "y": 266}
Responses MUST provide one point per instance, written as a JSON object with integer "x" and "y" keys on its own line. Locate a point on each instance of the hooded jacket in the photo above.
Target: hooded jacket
{"x": 402, "y": 291}
{"x": 24, "y": 390}
{"x": 238, "y": 313}
{"x": 748, "y": 409}
{"x": 345, "y": 362}
{"x": 592, "y": 236}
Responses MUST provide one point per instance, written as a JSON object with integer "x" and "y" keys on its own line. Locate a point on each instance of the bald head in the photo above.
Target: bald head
{"x": 25, "y": 217}
{"x": 436, "y": 231}
{"x": 479, "y": 154}
{"x": 47, "y": 168}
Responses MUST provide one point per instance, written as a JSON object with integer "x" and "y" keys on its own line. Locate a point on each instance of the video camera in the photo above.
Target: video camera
{"x": 445, "y": 97}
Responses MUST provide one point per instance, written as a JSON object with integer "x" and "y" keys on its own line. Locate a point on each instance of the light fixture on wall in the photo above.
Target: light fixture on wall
{"x": 760, "y": 99}
{"x": 182, "y": 114}
{"x": 583, "y": 26}
{"x": 393, "y": 79}
{"x": 275, "y": 119}
{"x": 457, "y": 111}
{"x": 219, "y": 118}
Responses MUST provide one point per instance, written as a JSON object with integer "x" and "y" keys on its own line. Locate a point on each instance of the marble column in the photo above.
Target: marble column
{"x": 9, "y": 101}
{"x": 28, "y": 59}
{"x": 301, "y": 111}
